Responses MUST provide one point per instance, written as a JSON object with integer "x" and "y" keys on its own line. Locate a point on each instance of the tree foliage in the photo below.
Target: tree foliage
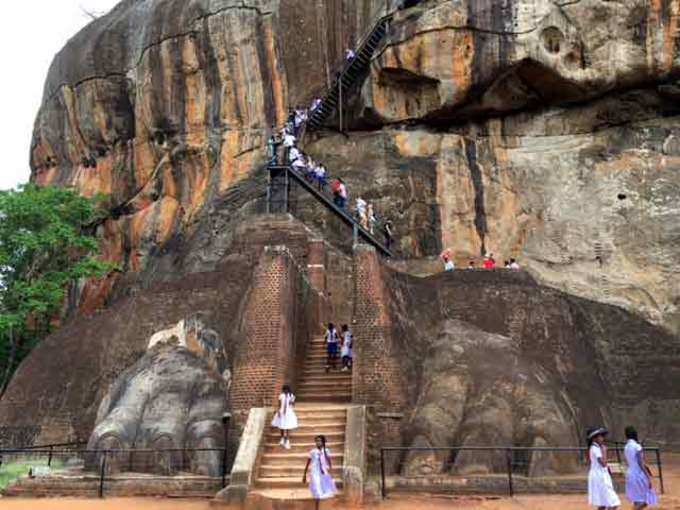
{"x": 44, "y": 246}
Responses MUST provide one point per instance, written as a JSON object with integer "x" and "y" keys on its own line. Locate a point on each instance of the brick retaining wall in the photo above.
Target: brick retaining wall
{"x": 377, "y": 380}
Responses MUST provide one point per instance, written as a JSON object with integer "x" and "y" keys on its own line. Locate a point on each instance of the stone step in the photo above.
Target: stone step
{"x": 295, "y": 458}
{"x": 311, "y": 424}
{"x": 322, "y": 376}
{"x": 303, "y": 412}
{"x": 308, "y": 436}
{"x": 325, "y": 395}
{"x": 318, "y": 409}
{"x": 325, "y": 383}
{"x": 299, "y": 447}
{"x": 320, "y": 370}
{"x": 275, "y": 471}
{"x": 289, "y": 482}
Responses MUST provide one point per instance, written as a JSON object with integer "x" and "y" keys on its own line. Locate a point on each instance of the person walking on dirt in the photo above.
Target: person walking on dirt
{"x": 639, "y": 488}
{"x": 601, "y": 492}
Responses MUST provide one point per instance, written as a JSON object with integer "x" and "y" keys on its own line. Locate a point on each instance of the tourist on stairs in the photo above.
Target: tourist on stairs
{"x": 639, "y": 489}
{"x": 349, "y": 55}
{"x": 339, "y": 193}
{"x": 273, "y": 148}
{"x": 601, "y": 492}
{"x": 361, "y": 212}
{"x": 321, "y": 483}
{"x": 346, "y": 351}
{"x": 315, "y": 104}
{"x": 320, "y": 176}
{"x": 372, "y": 220}
{"x": 332, "y": 341}
{"x": 289, "y": 142}
{"x": 514, "y": 265}
{"x": 389, "y": 234}
{"x": 285, "y": 418}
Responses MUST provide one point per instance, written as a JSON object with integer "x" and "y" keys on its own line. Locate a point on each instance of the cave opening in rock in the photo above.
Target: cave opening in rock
{"x": 621, "y": 196}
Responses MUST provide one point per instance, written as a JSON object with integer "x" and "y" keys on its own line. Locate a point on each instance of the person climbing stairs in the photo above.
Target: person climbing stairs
{"x": 321, "y": 386}
{"x": 322, "y": 399}
{"x": 350, "y": 75}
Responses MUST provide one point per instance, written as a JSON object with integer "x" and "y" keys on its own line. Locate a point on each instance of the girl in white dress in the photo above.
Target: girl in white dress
{"x": 639, "y": 489}
{"x": 321, "y": 483}
{"x": 346, "y": 351}
{"x": 285, "y": 418}
{"x": 601, "y": 492}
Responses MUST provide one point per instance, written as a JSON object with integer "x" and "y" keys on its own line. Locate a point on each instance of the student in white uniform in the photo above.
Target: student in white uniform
{"x": 639, "y": 488}
{"x": 321, "y": 483}
{"x": 285, "y": 418}
{"x": 346, "y": 351}
{"x": 601, "y": 492}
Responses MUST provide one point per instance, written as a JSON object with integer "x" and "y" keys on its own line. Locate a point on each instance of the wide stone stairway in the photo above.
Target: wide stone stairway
{"x": 318, "y": 385}
{"x": 322, "y": 399}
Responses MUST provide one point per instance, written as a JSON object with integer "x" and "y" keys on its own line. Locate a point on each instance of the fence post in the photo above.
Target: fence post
{"x": 102, "y": 473}
{"x": 49, "y": 457}
{"x": 226, "y": 418}
{"x": 355, "y": 235}
{"x": 658, "y": 465}
{"x": 508, "y": 457}
{"x": 618, "y": 452}
{"x": 382, "y": 473}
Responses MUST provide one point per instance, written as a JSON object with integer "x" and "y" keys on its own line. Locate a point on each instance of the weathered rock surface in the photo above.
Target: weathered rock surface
{"x": 491, "y": 358}
{"x": 172, "y": 398}
{"x": 482, "y": 391}
{"x": 585, "y": 197}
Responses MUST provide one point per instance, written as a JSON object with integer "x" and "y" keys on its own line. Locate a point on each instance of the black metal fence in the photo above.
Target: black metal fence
{"x": 69, "y": 462}
{"x": 502, "y": 470}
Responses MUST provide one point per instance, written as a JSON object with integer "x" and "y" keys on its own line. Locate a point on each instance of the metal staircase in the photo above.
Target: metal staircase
{"x": 281, "y": 181}
{"x": 350, "y": 75}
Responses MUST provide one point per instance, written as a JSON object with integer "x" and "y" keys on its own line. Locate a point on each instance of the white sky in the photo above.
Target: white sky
{"x": 33, "y": 32}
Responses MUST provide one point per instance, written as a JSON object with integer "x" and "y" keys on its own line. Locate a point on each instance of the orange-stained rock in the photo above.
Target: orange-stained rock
{"x": 166, "y": 107}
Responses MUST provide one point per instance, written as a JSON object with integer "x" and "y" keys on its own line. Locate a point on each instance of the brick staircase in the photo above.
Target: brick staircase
{"x": 321, "y": 408}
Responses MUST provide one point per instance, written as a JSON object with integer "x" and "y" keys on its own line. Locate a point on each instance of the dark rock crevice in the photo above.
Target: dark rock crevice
{"x": 477, "y": 182}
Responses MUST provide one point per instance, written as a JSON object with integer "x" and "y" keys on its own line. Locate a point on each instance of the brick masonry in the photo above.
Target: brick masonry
{"x": 281, "y": 313}
{"x": 377, "y": 380}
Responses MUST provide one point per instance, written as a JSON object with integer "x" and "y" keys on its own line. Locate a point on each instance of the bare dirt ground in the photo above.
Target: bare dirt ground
{"x": 670, "y": 501}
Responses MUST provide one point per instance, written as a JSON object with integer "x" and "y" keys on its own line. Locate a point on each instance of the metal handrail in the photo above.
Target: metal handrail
{"x": 508, "y": 450}
{"x": 358, "y": 229}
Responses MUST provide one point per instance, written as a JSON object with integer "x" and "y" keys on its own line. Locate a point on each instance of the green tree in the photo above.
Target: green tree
{"x": 44, "y": 246}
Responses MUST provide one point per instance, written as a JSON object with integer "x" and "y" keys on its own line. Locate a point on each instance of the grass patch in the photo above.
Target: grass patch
{"x": 12, "y": 470}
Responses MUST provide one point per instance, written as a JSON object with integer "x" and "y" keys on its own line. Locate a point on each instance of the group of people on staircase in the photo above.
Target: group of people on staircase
{"x": 319, "y": 463}
{"x": 315, "y": 172}
{"x": 341, "y": 343}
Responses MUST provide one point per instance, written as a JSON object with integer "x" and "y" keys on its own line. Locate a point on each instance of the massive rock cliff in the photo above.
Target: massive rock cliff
{"x": 535, "y": 129}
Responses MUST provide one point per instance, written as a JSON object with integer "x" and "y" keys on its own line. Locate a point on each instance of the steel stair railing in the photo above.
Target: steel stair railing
{"x": 288, "y": 174}
{"x": 350, "y": 74}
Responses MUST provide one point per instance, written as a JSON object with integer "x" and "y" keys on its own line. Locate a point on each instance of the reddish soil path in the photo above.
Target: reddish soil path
{"x": 670, "y": 501}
